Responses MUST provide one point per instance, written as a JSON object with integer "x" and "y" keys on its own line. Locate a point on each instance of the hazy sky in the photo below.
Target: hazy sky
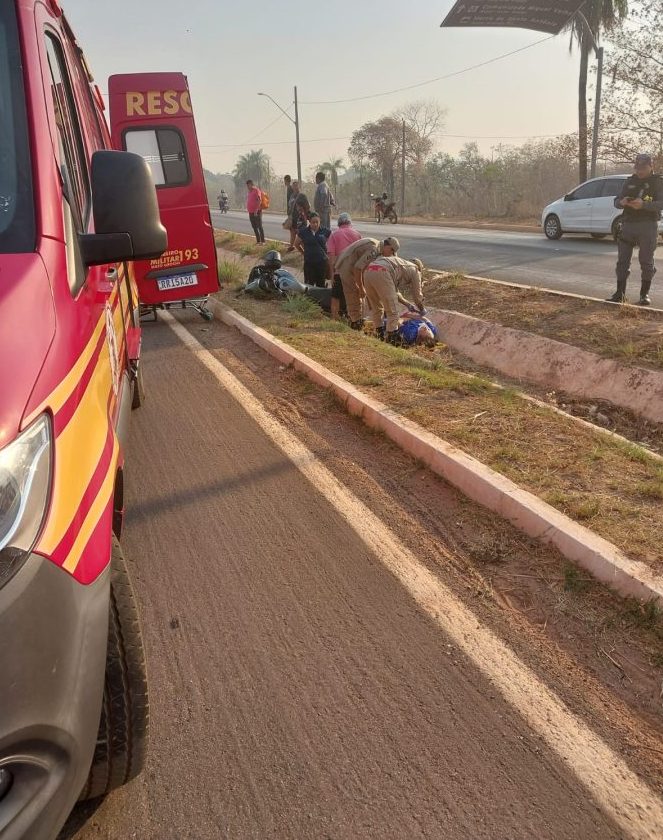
{"x": 232, "y": 50}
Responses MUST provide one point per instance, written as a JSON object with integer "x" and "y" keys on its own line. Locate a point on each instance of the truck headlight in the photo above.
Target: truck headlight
{"x": 25, "y": 478}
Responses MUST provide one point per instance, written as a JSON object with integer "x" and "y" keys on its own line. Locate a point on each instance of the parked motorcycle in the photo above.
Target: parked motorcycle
{"x": 385, "y": 210}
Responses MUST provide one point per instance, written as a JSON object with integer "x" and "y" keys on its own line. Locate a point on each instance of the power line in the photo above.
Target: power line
{"x": 429, "y": 81}
{"x": 505, "y": 136}
{"x": 442, "y": 134}
{"x": 273, "y": 143}
{"x": 263, "y": 130}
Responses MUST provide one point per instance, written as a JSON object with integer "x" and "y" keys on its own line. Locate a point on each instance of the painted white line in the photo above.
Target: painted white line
{"x": 475, "y": 480}
{"x": 607, "y": 779}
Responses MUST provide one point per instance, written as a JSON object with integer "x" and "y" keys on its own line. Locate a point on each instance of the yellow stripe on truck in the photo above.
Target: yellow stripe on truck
{"x": 94, "y": 514}
{"x": 81, "y": 443}
{"x": 61, "y": 393}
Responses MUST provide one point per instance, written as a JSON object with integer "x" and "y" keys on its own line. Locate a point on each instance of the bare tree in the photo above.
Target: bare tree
{"x": 380, "y": 143}
{"x": 633, "y": 105}
{"x": 425, "y": 119}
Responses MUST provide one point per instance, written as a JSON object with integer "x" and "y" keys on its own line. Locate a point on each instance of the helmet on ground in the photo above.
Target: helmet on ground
{"x": 272, "y": 259}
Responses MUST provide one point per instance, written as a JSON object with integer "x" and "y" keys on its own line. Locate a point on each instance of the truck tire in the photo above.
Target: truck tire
{"x": 123, "y": 727}
{"x": 138, "y": 393}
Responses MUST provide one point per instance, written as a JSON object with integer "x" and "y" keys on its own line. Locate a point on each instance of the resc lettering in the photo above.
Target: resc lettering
{"x": 157, "y": 103}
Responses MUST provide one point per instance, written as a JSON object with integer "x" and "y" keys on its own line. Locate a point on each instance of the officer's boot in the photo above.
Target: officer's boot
{"x": 645, "y": 300}
{"x": 379, "y": 333}
{"x": 357, "y": 325}
{"x": 394, "y": 338}
{"x": 620, "y": 295}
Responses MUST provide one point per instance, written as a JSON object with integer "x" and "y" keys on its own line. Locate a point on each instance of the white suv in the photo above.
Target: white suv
{"x": 589, "y": 208}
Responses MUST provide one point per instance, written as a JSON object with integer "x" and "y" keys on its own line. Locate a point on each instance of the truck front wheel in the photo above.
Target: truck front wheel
{"x": 123, "y": 728}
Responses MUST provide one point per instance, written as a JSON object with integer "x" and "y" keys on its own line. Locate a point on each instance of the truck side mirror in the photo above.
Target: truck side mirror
{"x": 126, "y": 214}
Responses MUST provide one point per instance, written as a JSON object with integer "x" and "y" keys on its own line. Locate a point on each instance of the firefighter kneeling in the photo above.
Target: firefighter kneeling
{"x": 384, "y": 278}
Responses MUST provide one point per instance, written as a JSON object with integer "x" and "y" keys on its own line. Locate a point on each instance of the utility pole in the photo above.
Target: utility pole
{"x": 403, "y": 172}
{"x": 361, "y": 186}
{"x": 597, "y": 111}
{"x": 599, "y": 79}
{"x": 299, "y": 154}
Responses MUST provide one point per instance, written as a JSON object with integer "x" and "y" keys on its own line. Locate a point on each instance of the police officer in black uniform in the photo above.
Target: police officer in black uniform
{"x": 642, "y": 201}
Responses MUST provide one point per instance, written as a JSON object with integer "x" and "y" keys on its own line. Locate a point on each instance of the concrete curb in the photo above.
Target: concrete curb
{"x": 475, "y": 480}
{"x": 553, "y": 364}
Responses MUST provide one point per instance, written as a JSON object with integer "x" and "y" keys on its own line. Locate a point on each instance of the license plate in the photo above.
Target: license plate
{"x": 177, "y": 282}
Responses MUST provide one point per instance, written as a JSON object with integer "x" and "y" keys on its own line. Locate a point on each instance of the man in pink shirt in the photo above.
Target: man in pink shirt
{"x": 341, "y": 238}
{"x": 254, "y": 208}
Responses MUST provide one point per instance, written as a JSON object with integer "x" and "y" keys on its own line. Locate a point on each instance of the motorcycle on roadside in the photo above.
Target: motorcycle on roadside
{"x": 224, "y": 203}
{"x": 269, "y": 280}
{"x": 385, "y": 210}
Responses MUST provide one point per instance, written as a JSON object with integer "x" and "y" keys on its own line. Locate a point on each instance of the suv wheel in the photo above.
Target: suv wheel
{"x": 123, "y": 727}
{"x": 552, "y": 227}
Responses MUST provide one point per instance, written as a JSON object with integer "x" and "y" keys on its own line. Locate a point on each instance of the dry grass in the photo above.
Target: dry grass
{"x": 612, "y": 487}
{"x": 626, "y": 333}
{"x": 231, "y": 271}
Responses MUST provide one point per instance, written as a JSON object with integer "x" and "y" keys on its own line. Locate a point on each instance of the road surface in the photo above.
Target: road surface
{"x": 575, "y": 264}
{"x": 315, "y": 669}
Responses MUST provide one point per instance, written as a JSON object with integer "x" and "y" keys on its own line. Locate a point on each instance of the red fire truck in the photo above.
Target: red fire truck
{"x": 151, "y": 115}
{"x": 73, "y": 215}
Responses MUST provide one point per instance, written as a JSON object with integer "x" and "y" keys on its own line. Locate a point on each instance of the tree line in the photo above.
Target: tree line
{"x": 514, "y": 182}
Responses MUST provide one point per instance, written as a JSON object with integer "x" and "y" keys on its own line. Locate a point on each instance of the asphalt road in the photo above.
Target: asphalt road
{"x": 309, "y": 677}
{"x": 575, "y": 264}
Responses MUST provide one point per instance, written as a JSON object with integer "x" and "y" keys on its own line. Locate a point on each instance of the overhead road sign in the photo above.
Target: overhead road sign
{"x": 523, "y": 14}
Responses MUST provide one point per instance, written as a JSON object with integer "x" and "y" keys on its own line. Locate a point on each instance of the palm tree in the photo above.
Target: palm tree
{"x": 602, "y": 16}
{"x": 332, "y": 168}
{"x": 254, "y": 165}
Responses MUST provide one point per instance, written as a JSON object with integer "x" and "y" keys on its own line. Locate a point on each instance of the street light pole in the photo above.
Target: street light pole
{"x": 403, "y": 172}
{"x": 299, "y": 154}
{"x": 295, "y": 122}
{"x": 599, "y": 79}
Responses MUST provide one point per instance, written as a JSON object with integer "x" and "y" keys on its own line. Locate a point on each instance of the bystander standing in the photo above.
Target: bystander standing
{"x": 344, "y": 235}
{"x": 323, "y": 200}
{"x": 312, "y": 242}
{"x": 254, "y": 209}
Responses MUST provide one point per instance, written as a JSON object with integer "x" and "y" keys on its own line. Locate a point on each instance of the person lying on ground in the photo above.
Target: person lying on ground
{"x": 415, "y": 329}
